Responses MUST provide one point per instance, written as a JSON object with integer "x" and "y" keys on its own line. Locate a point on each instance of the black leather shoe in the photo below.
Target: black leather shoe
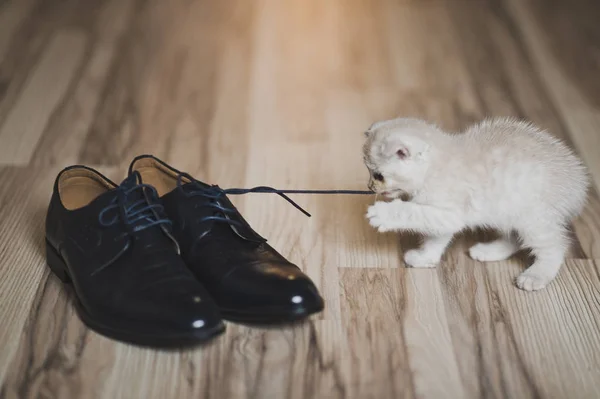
{"x": 248, "y": 279}
{"x": 115, "y": 246}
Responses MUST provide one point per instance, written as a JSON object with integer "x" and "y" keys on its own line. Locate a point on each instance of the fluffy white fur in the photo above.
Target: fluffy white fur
{"x": 501, "y": 173}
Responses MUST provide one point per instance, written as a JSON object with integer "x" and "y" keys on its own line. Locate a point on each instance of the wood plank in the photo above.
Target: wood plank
{"x": 57, "y": 356}
{"x": 496, "y": 330}
{"x": 397, "y": 331}
{"x": 430, "y": 78}
{"x": 28, "y": 118}
{"x": 21, "y": 256}
{"x": 490, "y": 365}
{"x": 427, "y": 335}
{"x": 67, "y": 130}
{"x": 178, "y": 61}
{"x": 100, "y": 23}
{"x": 559, "y": 39}
{"x": 292, "y": 362}
{"x": 217, "y": 126}
{"x": 12, "y": 15}
{"x": 376, "y": 359}
{"x": 564, "y": 361}
{"x": 23, "y": 275}
{"x": 31, "y": 37}
{"x": 293, "y": 64}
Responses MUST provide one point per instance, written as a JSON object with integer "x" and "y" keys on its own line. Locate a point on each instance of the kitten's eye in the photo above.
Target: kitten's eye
{"x": 378, "y": 176}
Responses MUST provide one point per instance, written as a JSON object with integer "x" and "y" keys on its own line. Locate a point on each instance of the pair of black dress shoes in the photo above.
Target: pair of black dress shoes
{"x": 162, "y": 259}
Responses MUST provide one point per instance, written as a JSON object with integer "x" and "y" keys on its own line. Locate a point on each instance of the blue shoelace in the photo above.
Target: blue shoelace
{"x": 214, "y": 193}
{"x": 136, "y": 215}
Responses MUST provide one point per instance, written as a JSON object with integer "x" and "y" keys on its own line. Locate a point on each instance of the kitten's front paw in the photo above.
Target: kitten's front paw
{"x": 379, "y": 216}
{"x": 529, "y": 281}
{"x": 420, "y": 259}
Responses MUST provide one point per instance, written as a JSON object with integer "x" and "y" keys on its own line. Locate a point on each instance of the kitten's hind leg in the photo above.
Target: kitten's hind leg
{"x": 430, "y": 253}
{"x": 500, "y": 249}
{"x": 548, "y": 245}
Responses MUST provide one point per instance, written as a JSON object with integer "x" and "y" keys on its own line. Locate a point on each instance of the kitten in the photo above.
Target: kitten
{"x": 500, "y": 173}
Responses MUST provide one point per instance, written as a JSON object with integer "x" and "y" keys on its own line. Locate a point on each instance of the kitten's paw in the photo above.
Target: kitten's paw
{"x": 379, "y": 217}
{"x": 420, "y": 259}
{"x": 528, "y": 281}
{"x": 492, "y": 251}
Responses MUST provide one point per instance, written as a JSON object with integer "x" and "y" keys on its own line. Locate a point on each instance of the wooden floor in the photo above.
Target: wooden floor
{"x": 278, "y": 92}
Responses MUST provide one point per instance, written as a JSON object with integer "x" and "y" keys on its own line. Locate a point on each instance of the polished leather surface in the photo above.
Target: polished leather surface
{"x": 249, "y": 280}
{"x": 129, "y": 280}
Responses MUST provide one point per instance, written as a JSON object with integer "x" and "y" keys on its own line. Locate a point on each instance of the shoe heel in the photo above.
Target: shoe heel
{"x": 56, "y": 264}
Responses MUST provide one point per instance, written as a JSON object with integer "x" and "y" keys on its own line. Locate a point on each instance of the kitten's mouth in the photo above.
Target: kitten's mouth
{"x": 391, "y": 193}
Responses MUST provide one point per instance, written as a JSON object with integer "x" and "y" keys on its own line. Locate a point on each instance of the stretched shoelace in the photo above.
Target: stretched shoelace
{"x": 215, "y": 192}
{"x": 132, "y": 213}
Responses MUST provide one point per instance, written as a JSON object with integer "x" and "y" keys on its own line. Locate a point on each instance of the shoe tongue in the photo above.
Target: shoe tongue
{"x": 138, "y": 197}
{"x": 193, "y": 187}
{"x": 130, "y": 181}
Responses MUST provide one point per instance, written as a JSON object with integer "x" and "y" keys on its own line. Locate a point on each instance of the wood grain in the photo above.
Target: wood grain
{"x": 26, "y": 122}
{"x": 270, "y": 92}
{"x": 427, "y": 334}
{"x": 567, "y": 70}
{"x": 12, "y": 13}
{"x": 569, "y": 351}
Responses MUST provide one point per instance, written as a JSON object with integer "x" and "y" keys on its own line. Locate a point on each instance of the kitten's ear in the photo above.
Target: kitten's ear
{"x": 369, "y": 131}
{"x": 372, "y": 128}
{"x": 409, "y": 148}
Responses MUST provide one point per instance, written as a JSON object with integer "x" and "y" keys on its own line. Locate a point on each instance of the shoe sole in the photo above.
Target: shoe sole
{"x": 59, "y": 269}
{"x": 275, "y": 316}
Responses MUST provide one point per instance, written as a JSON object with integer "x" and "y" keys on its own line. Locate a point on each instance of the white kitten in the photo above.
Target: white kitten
{"x": 500, "y": 173}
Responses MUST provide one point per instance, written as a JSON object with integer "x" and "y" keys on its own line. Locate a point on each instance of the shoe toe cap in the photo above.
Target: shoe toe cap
{"x": 268, "y": 291}
{"x": 158, "y": 320}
